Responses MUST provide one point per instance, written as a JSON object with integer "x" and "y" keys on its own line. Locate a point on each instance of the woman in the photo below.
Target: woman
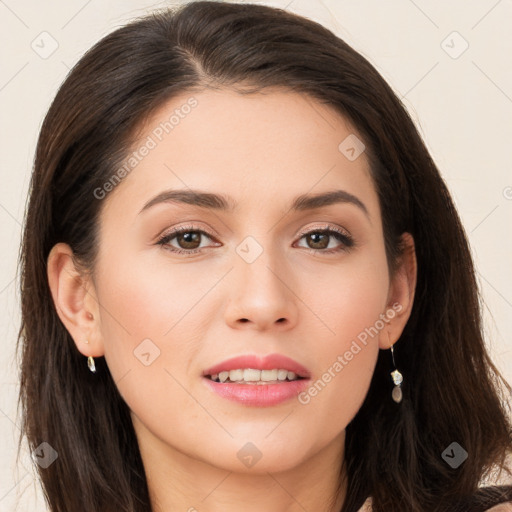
{"x": 245, "y": 282}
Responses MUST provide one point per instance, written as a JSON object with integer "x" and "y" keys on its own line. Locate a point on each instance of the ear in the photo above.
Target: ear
{"x": 75, "y": 300}
{"x": 401, "y": 293}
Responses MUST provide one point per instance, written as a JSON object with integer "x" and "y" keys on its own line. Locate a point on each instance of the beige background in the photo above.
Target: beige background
{"x": 460, "y": 97}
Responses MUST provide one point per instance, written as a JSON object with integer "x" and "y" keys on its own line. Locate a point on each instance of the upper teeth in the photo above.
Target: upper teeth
{"x": 253, "y": 375}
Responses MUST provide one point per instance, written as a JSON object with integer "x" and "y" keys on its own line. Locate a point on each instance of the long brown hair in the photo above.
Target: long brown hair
{"x": 452, "y": 393}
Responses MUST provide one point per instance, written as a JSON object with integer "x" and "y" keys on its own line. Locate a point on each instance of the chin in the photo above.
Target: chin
{"x": 259, "y": 456}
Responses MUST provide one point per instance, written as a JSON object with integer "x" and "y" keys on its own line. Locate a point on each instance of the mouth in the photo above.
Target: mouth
{"x": 254, "y": 376}
{"x": 257, "y": 381}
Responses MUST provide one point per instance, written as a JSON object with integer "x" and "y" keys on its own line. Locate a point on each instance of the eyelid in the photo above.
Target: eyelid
{"x": 185, "y": 227}
{"x": 325, "y": 227}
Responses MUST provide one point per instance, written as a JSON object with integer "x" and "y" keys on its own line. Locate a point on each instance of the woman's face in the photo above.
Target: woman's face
{"x": 245, "y": 280}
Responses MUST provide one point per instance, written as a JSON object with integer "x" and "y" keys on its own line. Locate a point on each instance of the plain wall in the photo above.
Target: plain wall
{"x": 461, "y": 98}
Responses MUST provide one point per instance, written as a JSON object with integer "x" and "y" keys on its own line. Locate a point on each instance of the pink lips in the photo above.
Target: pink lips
{"x": 259, "y": 395}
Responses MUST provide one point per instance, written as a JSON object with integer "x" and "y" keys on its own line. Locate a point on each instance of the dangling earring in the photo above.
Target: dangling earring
{"x": 90, "y": 361}
{"x": 397, "y": 377}
{"x": 91, "y": 365}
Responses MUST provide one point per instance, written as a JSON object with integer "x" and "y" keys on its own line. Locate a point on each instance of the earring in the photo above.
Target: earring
{"x": 397, "y": 377}
{"x": 90, "y": 361}
{"x": 91, "y": 365}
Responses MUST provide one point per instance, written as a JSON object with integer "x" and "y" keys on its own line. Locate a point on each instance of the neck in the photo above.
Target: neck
{"x": 177, "y": 481}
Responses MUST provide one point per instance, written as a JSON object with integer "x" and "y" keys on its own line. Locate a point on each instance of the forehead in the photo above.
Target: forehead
{"x": 268, "y": 146}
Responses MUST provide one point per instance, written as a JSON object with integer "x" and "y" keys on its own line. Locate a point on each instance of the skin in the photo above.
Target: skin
{"x": 262, "y": 150}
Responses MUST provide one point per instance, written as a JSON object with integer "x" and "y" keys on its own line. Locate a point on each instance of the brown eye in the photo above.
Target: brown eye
{"x": 188, "y": 240}
{"x": 319, "y": 239}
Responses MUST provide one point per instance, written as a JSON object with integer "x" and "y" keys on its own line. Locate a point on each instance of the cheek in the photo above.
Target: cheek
{"x": 350, "y": 316}
{"x": 347, "y": 297}
{"x": 150, "y": 337}
{"x": 143, "y": 300}
{"x": 147, "y": 320}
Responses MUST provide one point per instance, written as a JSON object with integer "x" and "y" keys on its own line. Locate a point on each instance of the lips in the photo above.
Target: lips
{"x": 268, "y": 395}
{"x": 269, "y": 362}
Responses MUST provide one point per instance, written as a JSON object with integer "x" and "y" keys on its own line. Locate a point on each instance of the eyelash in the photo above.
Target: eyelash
{"x": 346, "y": 240}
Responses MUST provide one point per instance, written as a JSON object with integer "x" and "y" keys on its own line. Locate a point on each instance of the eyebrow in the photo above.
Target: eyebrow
{"x": 225, "y": 203}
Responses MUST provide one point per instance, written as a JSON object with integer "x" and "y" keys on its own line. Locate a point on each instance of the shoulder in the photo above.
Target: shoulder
{"x": 367, "y": 506}
{"x": 496, "y": 498}
{"x": 502, "y": 507}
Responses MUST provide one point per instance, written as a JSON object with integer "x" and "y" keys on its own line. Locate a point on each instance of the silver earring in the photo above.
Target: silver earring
{"x": 90, "y": 361}
{"x": 91, "y": 365}
{"x": 397, "y": 377}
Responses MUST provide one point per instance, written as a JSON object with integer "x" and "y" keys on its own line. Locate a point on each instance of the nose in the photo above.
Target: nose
{"x": 262, "y": 295}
